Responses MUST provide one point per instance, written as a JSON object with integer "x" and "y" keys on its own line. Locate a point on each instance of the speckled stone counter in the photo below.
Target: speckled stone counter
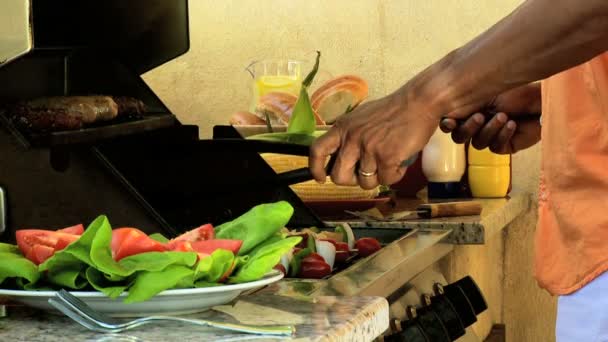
{"x": 347, "y": 319}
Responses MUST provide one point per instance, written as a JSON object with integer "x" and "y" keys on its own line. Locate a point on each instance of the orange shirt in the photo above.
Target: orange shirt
{"x": 572, "y": 234}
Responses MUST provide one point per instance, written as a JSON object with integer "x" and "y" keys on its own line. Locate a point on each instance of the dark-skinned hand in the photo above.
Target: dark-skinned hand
{"x": 511, "y": 129}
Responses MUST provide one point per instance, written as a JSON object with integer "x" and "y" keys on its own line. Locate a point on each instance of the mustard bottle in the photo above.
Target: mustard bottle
{"x": 489, "y": 174}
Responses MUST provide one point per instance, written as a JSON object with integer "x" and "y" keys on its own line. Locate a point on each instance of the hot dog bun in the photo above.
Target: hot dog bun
{"x": 339, "y": 95}
{"x": 243, "y": 118}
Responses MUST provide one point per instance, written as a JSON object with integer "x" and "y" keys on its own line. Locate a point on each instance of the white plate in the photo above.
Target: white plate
{"x": 170, "y": 302}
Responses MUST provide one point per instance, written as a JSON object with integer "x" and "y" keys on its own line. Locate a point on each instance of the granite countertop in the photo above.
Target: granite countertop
{"x": 319, "y": 319}
{"x": 495, "y": 216}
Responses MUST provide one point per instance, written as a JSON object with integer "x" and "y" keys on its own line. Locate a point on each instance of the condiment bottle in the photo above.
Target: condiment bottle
{"x": 489, "y": 174}
{"x": 443, "y": 164}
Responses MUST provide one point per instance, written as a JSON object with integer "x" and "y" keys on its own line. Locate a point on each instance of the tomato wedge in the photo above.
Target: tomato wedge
{"x": 204, "y": 232}
{"x": 185, "y": 246}
{"x": 38, "y": 254}
{"x": 130, "y": 241}
{"x": 209, "y": 246}
{"x": 77, "y": 230}
{"x": 38, "y": 245}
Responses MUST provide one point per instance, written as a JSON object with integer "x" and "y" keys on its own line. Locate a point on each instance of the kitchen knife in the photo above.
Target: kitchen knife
{"x": 428, "y": 210}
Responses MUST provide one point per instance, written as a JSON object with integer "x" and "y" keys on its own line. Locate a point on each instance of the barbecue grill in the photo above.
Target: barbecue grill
{"x": 152, "y": 171}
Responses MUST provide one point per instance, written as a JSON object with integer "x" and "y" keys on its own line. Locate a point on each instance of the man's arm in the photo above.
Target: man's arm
{"x": 537, "y": 40}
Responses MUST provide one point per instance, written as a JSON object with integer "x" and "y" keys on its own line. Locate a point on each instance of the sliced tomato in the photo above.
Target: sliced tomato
{"x": 31, "y": 241}
{"x": 131, "y": 241}
{"x": 64, "y": 240}
{"x": 209, "y": 246}
{"x": 38, "y": 254}
{"x": 181, "y": 246}
{"x": 186, "y": 246}
{"x": 204, "y": 232}
{"x": 77, "y": 230}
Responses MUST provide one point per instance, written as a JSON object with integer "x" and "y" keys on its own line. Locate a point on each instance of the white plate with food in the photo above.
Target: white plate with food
{"x": 169, "y": 302}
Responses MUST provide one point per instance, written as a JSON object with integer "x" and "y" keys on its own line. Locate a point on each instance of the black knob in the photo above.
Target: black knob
{"x": 448, "y": 315}
{"x": 411, "y": 332}
{"x": 461, "y": 304}
{"x": 473, "y": 293}
{"x": 432, "y": 325}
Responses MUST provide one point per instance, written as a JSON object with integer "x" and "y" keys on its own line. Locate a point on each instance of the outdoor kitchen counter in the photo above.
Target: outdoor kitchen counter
{"x": 495, "y": 216}
{"x": 318, "y": 319}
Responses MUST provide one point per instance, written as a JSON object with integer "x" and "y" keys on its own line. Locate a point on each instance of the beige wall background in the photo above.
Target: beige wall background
{"x": 386, "y": 42}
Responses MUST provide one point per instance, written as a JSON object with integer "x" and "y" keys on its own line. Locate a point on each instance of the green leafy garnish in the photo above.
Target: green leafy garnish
{"x": 256, "y": 225}
{"x": 87, "y": 263}
{"x": 264, "y": 260}
{"x": 148, "y": 284}
{"x": 303, "y": 118}
{"x": 302, "y": 123}
{"x": 13, "y": 265}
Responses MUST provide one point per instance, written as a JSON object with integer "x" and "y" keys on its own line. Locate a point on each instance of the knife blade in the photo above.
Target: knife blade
{"x": 427, "y": 210}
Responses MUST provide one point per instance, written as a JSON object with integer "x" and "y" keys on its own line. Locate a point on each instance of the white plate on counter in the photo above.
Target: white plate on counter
{"x": 169, "y": 302}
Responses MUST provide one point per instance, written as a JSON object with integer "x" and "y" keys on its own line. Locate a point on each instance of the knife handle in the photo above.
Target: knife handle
{"x": 448, "y": 209}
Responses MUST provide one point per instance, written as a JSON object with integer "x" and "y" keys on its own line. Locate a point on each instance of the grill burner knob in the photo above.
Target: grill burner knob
{"x": 473, "y": 293}
{"x": 444, "y": 316}
{"x": 449, "y": 316}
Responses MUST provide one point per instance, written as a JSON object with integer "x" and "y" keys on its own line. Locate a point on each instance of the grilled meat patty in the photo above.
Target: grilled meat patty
{"x": 73, "y": 112}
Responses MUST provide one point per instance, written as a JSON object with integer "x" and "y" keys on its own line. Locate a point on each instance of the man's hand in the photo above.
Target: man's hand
{"x": 503, "y": 133}
{"x": 373, "y": 141}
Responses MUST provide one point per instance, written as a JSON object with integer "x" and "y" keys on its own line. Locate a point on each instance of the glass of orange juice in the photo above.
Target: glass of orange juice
{"x": 274, "y": 75}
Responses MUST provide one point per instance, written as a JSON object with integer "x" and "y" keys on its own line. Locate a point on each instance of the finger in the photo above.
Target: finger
{"x": 367, "y": 174}
{"x": 344, "y": 169}
{"x": 323, "y": 147}
{"x": 447, "y": 125}
{"x": 502, "y": 142}
{"x": 389, "y": 173}
{"x": 489, "y": 132}
{"x": 468, "y": 129}
{"x": 526, "y": 134}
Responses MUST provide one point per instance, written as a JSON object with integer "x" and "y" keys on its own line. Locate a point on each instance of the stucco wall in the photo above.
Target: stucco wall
{"x": 384, "y": 41}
